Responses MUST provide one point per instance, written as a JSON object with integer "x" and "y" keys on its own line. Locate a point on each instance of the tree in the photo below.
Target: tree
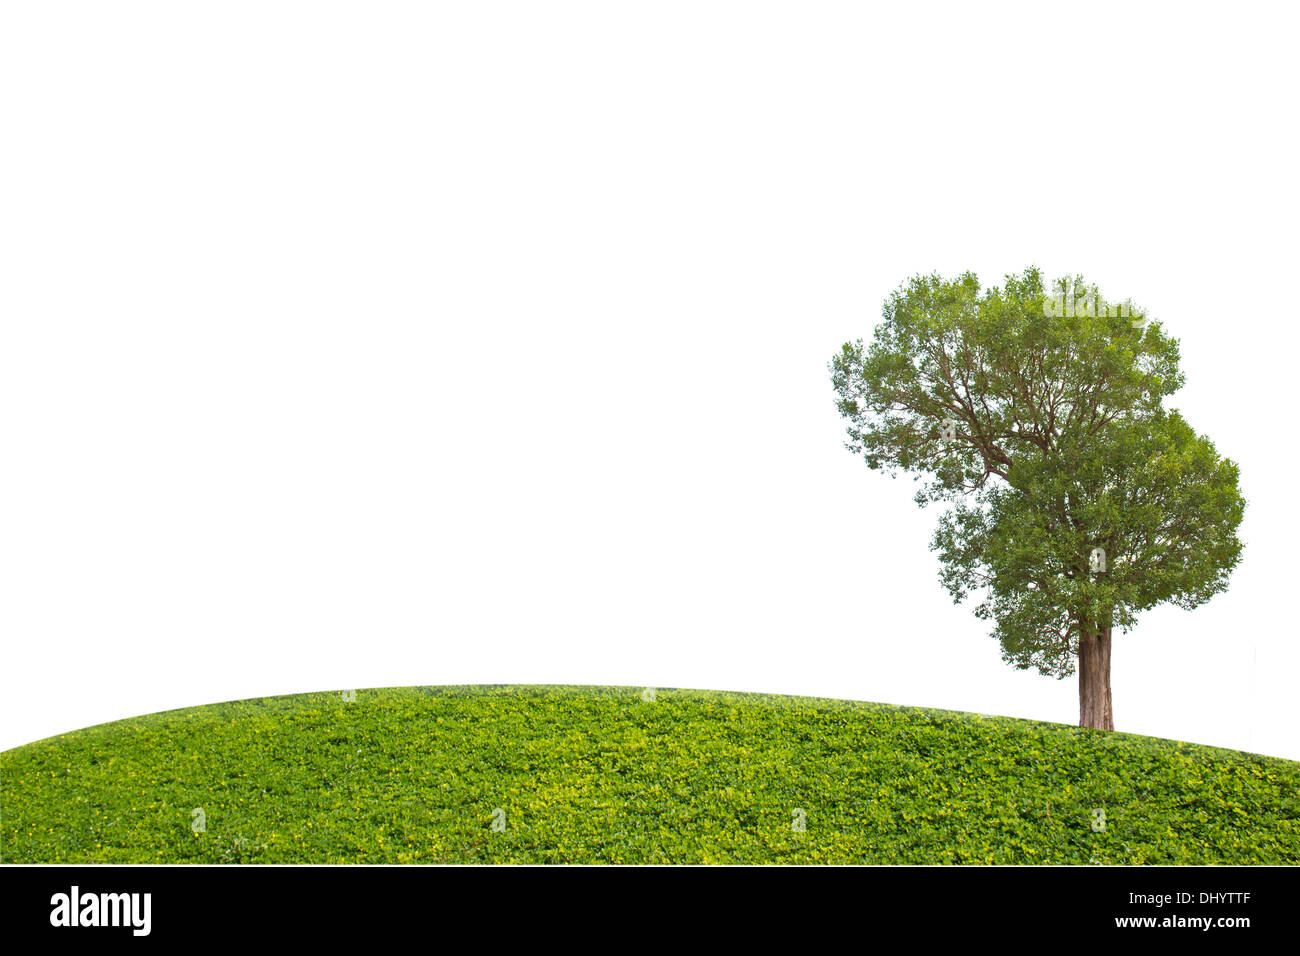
{"x": 1075, "y": 499}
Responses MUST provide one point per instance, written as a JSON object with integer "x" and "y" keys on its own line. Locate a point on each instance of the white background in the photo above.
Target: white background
{"x": 370, "y": 344}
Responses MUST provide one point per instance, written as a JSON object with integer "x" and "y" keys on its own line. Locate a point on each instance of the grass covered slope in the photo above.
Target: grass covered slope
{"x": 588, "y": 774}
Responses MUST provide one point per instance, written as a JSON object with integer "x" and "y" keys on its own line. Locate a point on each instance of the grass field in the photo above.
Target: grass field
{"x": 598, "y": 774}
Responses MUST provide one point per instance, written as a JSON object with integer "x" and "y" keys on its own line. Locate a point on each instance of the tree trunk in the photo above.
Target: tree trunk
{"x": 1094, "y": 678}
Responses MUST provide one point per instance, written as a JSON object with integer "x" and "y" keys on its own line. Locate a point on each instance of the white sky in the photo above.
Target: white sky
{"x": 353, "y": 345}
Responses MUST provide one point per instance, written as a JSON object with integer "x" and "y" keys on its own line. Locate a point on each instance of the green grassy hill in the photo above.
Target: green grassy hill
{"x": 590, "y": 774}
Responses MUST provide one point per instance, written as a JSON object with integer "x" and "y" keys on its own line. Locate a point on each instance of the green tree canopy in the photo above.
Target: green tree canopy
{"x": 1075, "y": 499}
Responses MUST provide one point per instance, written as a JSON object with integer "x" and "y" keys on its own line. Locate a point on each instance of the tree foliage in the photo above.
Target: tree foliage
{"x": 1038, "y": 418}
